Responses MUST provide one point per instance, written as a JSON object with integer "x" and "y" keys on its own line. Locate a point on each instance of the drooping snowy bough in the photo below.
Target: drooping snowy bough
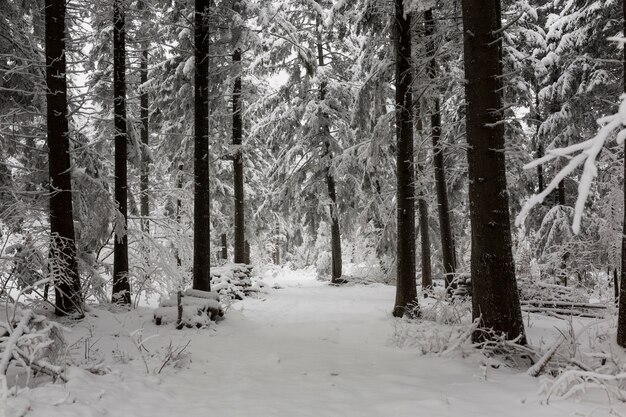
{"x": 33, "y": 342}
{"x": 589, "y": 151}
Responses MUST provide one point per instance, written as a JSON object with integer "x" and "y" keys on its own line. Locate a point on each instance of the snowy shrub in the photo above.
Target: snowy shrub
{"x": 584, "y": 360}
{"x": 31, "y": 341}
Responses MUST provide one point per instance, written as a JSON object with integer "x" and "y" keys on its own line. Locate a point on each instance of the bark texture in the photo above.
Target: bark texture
{"x": 121, "y": 284}
{"x": 62, "y": 254}
{"x": 240, "y": 238}
{"x": 201, "y": 236}
{"x": 406, "y": 292}
{"x": 144, "y": 184}
{"x": 495, "y": 298}
{"x": 443, "y": 208}
{"x": 621, "y": 320}
{"x": 335, "y": 235}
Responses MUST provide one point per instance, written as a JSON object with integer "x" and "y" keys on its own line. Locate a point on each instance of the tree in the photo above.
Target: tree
{"x": 406, "y": 292}
{"x": 621, "y": 321}
{"x": 335, "y": 235}
{"x": 202, "y": 237}
{"x": 121, "y": 284}
{"x": 443, "y": 208}
{"x": 144, "y": 197}
{"x": 495, "y": 298}
{"x": 63, "y": 265}
{"x": 239, "y": 248}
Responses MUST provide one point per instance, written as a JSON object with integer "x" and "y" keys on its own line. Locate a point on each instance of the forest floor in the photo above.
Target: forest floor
{"x": 305, "y": 349}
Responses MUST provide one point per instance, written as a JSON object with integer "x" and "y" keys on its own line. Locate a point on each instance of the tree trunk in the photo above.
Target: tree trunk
{"x": 561, "y": 193}
{"x": 121, "y": 284}
{"x": 247, "y": 253}
{"x": 238, "y": 157}
{"x": 495, "y": 298}
{"x": 406, "y": 292}
{"x": 443, "y": 208}
{"x": 276, "y": 255}
{"x": 62, "y": 256}
{"x": 179, "y": 206}
{"x": 422, "y": 208}
{"x": 144, "y": 198}
{"x": 224, "y": 247}
{"x": 540, "y": 181}
{"x": 621, "y": 321}
{"x": 335, "y": 235}
{"x": 201, "y": 238}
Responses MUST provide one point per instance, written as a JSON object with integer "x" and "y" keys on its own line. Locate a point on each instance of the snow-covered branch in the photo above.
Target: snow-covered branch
{"x": 589, "y": 151}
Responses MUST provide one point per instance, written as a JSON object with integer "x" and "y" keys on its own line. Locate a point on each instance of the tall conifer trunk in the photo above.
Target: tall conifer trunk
{"x": 406, "y": 292}
{"x": 422, "y": 211}
{"x": 121, "y": 285}
{"x": 443, "y": 208}
{"x": 495, "y": 298}
{"x": 201, "y": 236}
{"x": 335, "y": 235}
{"x": 621, "y": 321}
{"x": 62, "y": 255}
{"x": 239, "y": 247}
{"x": 144, "y": 198}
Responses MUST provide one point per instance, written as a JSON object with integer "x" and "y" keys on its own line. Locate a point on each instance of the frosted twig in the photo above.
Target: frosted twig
{"x": 590, "y": 149}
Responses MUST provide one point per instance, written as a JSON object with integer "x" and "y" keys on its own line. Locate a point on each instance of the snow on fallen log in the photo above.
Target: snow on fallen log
{"x": 541, "y": 364}
{"x": 211, "y": 295}
{"x": 196, "y": 311}
{"x": 561, "y": 311}
{"x": 562, "y": 304}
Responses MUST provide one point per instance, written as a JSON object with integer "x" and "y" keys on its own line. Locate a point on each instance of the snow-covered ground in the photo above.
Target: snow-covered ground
{"x": 306, "y": 349}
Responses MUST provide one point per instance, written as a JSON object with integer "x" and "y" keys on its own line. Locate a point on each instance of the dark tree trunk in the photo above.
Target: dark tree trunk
{"x": 427, "y": 275}
{"x": 406, "y": 292}
{"x": 422, "y": 208}
{"x": 121, "y": 284}
{"x": 201, "y": 237}
{"x": 615, "y": 287}
{"x": 540, "y": 180}
{"x": 62, "y": 256}
{"x": 561, "y": 194}
{"x": 276, "y": 255}
{"x": 224, "y": 247}
{"x": 495, "y": 298}
{"x": 335, "y": 235}
{"x": 179, "y": 206}
{"x": 238, "y": 157}
{"x": 443, "y": 208}
{"x": 144, "y": 198}
{"x": 247, "y": 253}
{"x": 621, "y": 321}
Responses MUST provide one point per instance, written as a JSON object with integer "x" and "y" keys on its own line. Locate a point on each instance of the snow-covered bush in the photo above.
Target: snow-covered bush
{"x": 31, "y": 341}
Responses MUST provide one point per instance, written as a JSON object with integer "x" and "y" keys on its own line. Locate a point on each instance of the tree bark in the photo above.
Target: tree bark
{"x": 179, "y": 206}
{"x": 621, "y": 321}
{"x": 247, "y": 253}
{"x": 240, "y": 238}
{"x": 121, "y": 284}
{"x": 144, "y": 197}
{"x": 540, "y": 181}
{"x": 201, "y": 238}
{"x": 224, "y": 247}
{"x": 422, "y": 209}
{"x": 335, "y": 235}
{"x": 62, "y": 256}
{"x": 406, "y": 292}
{"x": 443, "y": 208}
{"x": 276, "y": 255}
{"x": 495, "y": 298}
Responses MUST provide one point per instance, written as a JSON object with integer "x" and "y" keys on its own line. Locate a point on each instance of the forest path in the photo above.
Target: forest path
{"x": 307, "y": 349}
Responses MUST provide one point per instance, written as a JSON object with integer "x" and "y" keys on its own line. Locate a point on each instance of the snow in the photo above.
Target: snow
{"x": 305, "y": 349}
